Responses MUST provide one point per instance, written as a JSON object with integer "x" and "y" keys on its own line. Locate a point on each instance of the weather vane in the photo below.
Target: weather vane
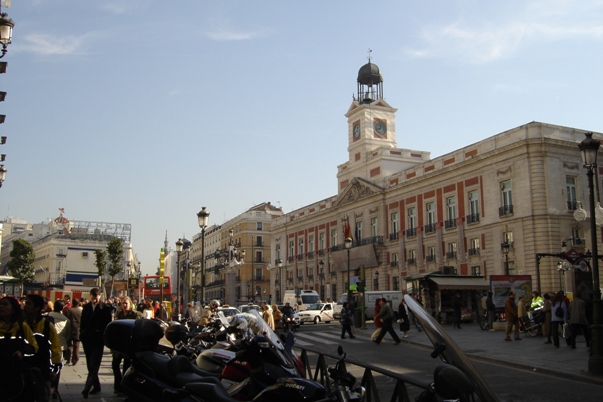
{"x": 369, "y": 55}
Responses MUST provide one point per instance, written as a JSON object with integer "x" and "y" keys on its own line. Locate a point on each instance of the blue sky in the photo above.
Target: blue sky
{"x": 143, "y": 112}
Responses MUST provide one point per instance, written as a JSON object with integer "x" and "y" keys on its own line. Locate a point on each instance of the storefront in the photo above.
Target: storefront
{"x": 437, "y": 290}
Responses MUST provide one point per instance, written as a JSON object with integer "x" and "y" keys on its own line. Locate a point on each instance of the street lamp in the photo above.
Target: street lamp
{"x": 505, "y": 247}
{"x": 6, "y": 32}
{"x": 589, "y": 148}
{"x": 179, "y": 245}
{"x": 376, "y": 280}
{"x": 348, "y": 245}
{"x": 203, "y": 218}
{"x": 279, "y": 264}
{"x": 321, "y": 265}
{"x": 2, "y": 174}
{"x": 561, "y": 271}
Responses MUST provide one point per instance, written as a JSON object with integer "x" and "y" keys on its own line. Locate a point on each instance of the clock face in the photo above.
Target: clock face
{"x": 356, "y": 131}
{"x": 380, "y": 127}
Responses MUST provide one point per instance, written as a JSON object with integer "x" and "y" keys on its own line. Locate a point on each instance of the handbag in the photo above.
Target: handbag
{"x": 559, "y": 312}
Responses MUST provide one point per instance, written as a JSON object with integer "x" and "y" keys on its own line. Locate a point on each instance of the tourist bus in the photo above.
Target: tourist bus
{"x": 152, "y": 290}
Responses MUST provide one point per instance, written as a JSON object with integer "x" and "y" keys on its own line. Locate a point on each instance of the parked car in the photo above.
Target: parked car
{"x": 296, "y": 318}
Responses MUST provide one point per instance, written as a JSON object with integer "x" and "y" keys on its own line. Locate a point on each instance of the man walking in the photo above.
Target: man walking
{"x": 96, "y": 315}
{"x": 387, "y": 317}
{"x": 74, "y": 314}
{"x": 577, "y": 319}
{"x": 511, "y": 317}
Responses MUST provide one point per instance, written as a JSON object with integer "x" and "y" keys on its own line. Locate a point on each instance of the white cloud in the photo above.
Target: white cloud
{"x": 224, "y": 34}
{"x": 50, "y": 44}
{"x": 481, "y": 39}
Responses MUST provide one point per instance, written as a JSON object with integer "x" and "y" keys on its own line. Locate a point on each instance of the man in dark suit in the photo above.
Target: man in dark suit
{"x": 74, "y": 314}
{"x": 96, "y": 315}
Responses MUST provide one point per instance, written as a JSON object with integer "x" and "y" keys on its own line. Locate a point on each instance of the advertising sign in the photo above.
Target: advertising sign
{"x": 501, "y": 285}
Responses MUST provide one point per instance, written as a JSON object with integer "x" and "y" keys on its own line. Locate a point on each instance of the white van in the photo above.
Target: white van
{"x": 393, "y": 297}
{"x": 301, "y": 299}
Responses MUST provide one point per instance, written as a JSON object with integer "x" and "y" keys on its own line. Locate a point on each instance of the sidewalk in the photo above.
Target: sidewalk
{"x": 74, "y": 377}
{"x": 530, "y": 353}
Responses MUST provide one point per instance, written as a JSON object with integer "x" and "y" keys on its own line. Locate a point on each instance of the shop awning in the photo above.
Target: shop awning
{"x": 450, "y": 282}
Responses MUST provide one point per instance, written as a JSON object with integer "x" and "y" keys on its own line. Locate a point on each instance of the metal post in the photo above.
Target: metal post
{"x": 595, "y": 363}
{"x": 202, "y": 296}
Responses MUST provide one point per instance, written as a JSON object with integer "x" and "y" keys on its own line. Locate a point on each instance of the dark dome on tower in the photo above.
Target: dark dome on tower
{"x": 369, "y": 74}
{"x": 370, "y": 83}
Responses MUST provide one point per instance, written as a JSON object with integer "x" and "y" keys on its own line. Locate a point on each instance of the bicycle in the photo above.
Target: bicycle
{"x": 529, "y": 325}
{"x": 482, "y": 320}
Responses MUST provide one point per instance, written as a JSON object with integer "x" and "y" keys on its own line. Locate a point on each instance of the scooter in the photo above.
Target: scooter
{"x": 260, "y": 362}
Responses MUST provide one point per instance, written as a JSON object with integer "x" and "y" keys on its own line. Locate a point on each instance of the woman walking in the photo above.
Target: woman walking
{"x": 377, "y": 321}
{"x": 404, "y": 322}
{"x": 546, "y": 324}
{"x": 125, "y": 311}
{"x": 558, "y": 317}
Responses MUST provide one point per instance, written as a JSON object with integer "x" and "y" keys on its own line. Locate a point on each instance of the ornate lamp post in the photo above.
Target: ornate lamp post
{"x": 203, "y": 218}
{"x": 279, "y": 264}
{"x": 505, "y": 247}
{"x": 321, "y": 266}
{"x": 589, "y": 148}
{"x": 348, "y": 245}
{"x": 179, "y": 245}
{"x": 6, "y": 32}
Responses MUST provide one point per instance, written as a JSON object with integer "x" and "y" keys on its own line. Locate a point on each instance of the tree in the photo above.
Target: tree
{"x": 101, "y": 264}
{"x": 21, "y": 263}
{"x": 115, "y": 249}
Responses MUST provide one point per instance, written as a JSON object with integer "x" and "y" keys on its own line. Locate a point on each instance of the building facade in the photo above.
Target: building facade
{"x": 496, "y": 207}
{"x": 237, "y": 265}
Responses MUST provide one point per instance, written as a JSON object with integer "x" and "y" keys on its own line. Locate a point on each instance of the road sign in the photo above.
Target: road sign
{"x": 133, "y": 283}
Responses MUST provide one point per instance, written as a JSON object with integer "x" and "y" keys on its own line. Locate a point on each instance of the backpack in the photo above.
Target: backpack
{"x": 559, "y": 312}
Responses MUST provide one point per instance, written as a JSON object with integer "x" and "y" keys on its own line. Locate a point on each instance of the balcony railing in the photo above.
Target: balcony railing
{"x": 430, "y": 258}
{"x": 393, "y": 264}
{"x": 412, "y": 261}
{"x": 451, "y": 254}
{"x": 310, "y": 254}
{"x": 572, "y": 205}
{"x": 300, "y": 257}
{"x": 310, "y": 276}
{"x": 411, "y": 232}
{"x": 300, "y": 278}
{"x": 290, "y": 259}
{"x": 472, "y": 218}
{"x": 321, "y": 252}
{"x": 430, "y": 228}
{"x": 473, "y": 251}
{"x": 393, "y": 236}
{"x": 505, "y": 210}
{"x": 259, "y": 243}
{"x": 450, "y": 223}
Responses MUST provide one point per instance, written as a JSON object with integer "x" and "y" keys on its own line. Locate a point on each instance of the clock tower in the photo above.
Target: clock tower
{"x": 372, "y": 149}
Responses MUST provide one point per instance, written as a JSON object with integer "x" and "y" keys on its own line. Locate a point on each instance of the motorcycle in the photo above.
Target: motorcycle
{"x": 259, "y": 363}
{"x": 456, "y": 379}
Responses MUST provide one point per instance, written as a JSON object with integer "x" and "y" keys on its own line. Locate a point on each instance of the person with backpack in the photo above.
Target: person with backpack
{"x": 558, "y": 317}
{"x": 48, "y": 357}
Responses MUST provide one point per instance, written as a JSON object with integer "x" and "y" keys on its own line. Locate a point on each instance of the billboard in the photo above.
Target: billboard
{"x": 501, "y": 285}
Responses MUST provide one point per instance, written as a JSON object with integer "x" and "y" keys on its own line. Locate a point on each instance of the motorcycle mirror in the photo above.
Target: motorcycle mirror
{"x": 452, "y": 383}
{"x": 340, "y": 350}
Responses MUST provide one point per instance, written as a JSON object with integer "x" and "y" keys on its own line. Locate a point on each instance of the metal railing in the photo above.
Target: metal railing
{"x": 473, "y": 218}
{"x": 505, "y": 210}
{"x": 411, "y": 232}
{"x": 400, "y": 382}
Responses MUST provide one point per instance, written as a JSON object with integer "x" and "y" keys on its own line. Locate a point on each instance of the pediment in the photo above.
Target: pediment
{"x": 379, "y": 103}
{"x": 356, "y": 190}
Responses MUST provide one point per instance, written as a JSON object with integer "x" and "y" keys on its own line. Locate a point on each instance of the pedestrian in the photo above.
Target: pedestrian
{"x": 512, "y": 317}
{"x": 346, "y": 320}
{"x": 148, "y": 311}
{"x": 559, "y": 317}
{"x": 387, "y": 316}
{"x": 48, "y": 357}
{"x": 577, "y": 319}
{"x": 268, "y": 317}
{"x": 16, "y": 340}
{"x": 74, "y": 314}
{"x": 546, "y": 324}
{"x": 491, "y": 309}
{"x": 63, "y": 328}
{"x": 125, "y": 312}
{"x": 96, "y": 315}
{"x": 67, "y": 303}
{"x": 404, "y": 322}
{"x": 277, "y": 316}
{"x": 161, "y": 312}
{"x": 377, "y": 321}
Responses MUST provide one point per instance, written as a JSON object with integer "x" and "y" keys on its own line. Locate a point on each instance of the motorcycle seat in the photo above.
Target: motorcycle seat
{"x": 180, "y": 366}
{"x": 174, "y": 372}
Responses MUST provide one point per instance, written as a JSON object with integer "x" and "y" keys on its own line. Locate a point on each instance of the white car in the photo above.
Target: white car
{"x": 318, "y": 312}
